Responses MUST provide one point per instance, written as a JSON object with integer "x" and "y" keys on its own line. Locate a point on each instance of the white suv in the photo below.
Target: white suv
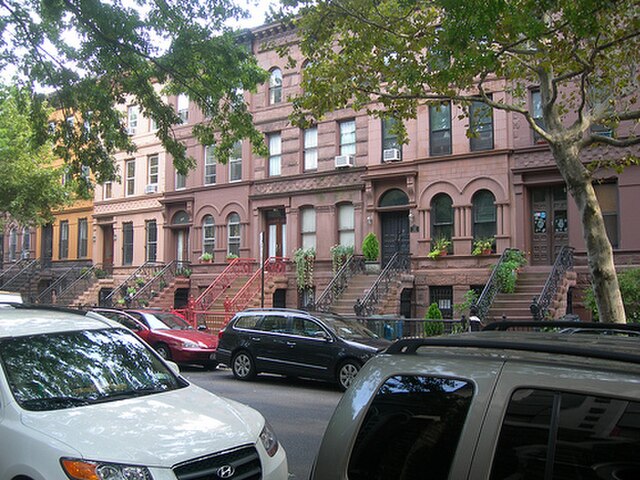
{"x": 82, "y": 398}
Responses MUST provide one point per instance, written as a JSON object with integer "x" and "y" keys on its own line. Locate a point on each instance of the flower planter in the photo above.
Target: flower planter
{"x": 372, "y": 267}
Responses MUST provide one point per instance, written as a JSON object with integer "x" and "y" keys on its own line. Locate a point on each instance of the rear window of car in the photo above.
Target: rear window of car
{"x": 551, "y": 434}
{"x": 411, "y": 429}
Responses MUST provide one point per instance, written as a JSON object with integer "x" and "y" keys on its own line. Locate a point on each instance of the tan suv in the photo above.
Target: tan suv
{"x": 490, "y": 405}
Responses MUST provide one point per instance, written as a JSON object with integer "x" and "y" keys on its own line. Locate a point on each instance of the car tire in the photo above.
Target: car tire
{"x": 243, "y": 366}
{"x": 163, "y": 351}
{"x": 347, "y": 372}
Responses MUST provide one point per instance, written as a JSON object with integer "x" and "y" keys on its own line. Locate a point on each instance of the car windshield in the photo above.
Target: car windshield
{"x": 64, "y": 370}
{"x": 348, "y": 329}
{"x": 166, "y": 321}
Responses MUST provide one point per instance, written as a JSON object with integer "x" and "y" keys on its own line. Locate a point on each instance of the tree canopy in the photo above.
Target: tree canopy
{"x": 30, "y": 183}
{"x": 93, "y": 57}
{"x": 390, "y": 56}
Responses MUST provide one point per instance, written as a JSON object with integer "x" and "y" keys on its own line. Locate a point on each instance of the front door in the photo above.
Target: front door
{"x": 182, "y": 241}
{"x": 395, "y": 234}
{"x": 46, "y": 249}
{"x": 107, "y": 247}
{"x": 550, "y": 228}
{"x": 276, "y": 233}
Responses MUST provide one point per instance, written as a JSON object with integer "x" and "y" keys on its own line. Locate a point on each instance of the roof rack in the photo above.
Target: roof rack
{"x": 410, "y": 346}
{"x": 505, "y": 325}
{"x": 274, "y": 309}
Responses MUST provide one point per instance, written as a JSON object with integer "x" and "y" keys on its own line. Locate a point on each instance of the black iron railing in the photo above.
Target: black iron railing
{"x": 72, "y": 272}
{"x": 399, "y": 263}
{"x": 20, "y": 280}
{"x": 84, "y": 282}
{"x": 162, "y": 278}
{"x": 13, "y": 269}
{"x": 563, "y": 263}
{"x": 123, "y": 294}
{"x": 354, "y": 265}
{"x": 481, "y": 306}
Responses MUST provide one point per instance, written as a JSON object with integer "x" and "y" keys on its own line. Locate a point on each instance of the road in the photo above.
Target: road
{"x": 298, "y": 410}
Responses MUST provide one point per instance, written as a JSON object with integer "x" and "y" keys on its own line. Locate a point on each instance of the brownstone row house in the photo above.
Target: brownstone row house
{"x": 333, "y": 183}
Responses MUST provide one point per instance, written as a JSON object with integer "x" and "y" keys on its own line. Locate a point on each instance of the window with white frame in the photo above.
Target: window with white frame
{"x": 308, "y": 227}
{"x": 208, "y": 234}
{"x": 26, "y": 242}
{"x": 132, "y": 119}
{"x": 275, "y": 86}
{"x": 181, "y": 181}
{"x": 440, "y": 129}
{"x": 233, "y": 234}
{"x": 235, "y": 163}
{"x": 13, "y": 244}
{"x": 275, "y": 155}
{"x": 152, "y": 170}
{"x": 107, "y": 190}
{"x": 310, "y": 148}
{"x": 151, "y": 247}
{"x": 83, "y": 237}
{"x": 209, "y": 166}
{"x": 130, "y": 179}
{"x": 183, "y": 107}
{"x": 63, "y": 244}
{"x": 536, "y": 112}
{"x": 348, "y": 137}
{"x": 346, "y": 225}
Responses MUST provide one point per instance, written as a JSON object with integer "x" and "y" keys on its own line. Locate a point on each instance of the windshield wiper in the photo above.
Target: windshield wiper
{"x": 54, "y": 403}
{"x": 132, "y": 393}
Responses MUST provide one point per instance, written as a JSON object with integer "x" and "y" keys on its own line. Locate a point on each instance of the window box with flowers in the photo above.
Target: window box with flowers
{"x": 483, "y": 246}
{"x": 206, "y": 257}
{"x": 439, "y": 248}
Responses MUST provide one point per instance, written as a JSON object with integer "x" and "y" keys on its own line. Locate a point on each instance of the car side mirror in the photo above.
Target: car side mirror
{"x": 202, "y": 328}
{"x": 323, "y": 335}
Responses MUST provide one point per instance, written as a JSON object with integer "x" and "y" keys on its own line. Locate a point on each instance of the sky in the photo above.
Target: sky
{"x": 257, "y": 9}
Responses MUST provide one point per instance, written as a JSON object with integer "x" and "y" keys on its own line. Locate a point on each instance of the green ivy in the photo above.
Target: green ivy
{"x": 629, "y": 281}
{"x": 304, "y": 260}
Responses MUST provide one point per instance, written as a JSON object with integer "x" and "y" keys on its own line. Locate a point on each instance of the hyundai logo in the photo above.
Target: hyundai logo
{"x": 225, "y": 471}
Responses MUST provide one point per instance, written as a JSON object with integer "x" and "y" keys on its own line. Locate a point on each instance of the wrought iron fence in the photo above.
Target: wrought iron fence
{"x": 23, "y": 276}
{"x": 84, "y": 282}
{"x": 126, "y": 290}
{"x": 13, "y": 269}
{"x": 72, "y": 272}
{"x": 354, "y": 265}
{"x": 562, "y": 264}
{"x": 236, "y": 268}
{"x": 393, "y": 328}
{"x": 155, "y": 286}
{"x": 399, "y": 263}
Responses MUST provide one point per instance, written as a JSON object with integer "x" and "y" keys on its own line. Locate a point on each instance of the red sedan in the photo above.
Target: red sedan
{"x": 169, "y": 334}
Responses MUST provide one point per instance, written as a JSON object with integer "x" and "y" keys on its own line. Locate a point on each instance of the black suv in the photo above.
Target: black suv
{"x": 491, "y": 405}
{"x": 296, "y": 343}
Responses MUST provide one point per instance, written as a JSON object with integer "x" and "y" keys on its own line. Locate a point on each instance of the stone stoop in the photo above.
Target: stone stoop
{"x": 90, "y": 297}
{"x": 516, "y": 306}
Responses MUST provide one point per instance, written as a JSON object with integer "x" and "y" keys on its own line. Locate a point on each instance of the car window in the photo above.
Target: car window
{"x": 411, "y": 429}
{"x": 64, "y": 370}
{"x": 274, "y": 323}
{"x": 247, "y": 321}
{"x": 122, "y": 319}
{"x": 305, "y": 327}
{"x": 140, "y": 318}
{"x": 559, "y": 435}
{"x": 348, "y": 329}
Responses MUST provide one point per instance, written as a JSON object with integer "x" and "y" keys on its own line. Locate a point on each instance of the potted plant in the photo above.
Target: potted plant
{"x": 231, "y": 257}
{"x": 433, "y": 324}
{"x": 439, "y": 247}
{"x": 206, "y": 257}
{"x": 339, "y": 256}
{"x": 483, "y": 246}
{"x": 371, "y": 251}
{"x": 183, "y": 272}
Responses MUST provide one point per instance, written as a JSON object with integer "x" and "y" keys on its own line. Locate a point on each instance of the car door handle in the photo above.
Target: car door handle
{"x": 291, "y": 344}
{"x": 255, "y": 339}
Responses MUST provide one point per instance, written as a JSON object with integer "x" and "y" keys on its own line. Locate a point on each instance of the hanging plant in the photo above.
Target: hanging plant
{"x": 304, "y": 260}
{"x": 339, "y": 256}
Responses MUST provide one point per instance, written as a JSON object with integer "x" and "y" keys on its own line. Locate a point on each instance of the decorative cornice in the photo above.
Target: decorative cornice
{"x": 338, "y": 180}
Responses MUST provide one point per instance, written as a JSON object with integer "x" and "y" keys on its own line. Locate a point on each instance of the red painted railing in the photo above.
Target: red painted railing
{"x": 235, "y": 269}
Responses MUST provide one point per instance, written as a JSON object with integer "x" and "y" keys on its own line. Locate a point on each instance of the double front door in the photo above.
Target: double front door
{"x": 550, "y": 227}
{"x": 395, "y": 234}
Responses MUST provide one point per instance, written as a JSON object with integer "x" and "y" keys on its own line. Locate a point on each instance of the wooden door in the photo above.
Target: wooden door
{"x": 395, "y": 234}
{"x": 550, "y": 227}
{"x": 107, "y": 247}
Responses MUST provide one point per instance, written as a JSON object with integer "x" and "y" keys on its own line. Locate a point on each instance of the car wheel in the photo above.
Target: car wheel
{"x": 347, "y": 373}
{"x": 243, "y": 366}
{"x": 163, "y": 351}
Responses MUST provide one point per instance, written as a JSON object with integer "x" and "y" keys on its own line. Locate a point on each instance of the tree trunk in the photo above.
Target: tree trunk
{"x": 599, "y": 251}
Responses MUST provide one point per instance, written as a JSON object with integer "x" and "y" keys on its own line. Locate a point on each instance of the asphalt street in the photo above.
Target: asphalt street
{"x": 298, "y": 410}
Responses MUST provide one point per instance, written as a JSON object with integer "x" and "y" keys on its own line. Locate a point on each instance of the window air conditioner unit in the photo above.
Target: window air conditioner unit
{"x": 391, "y": 155}
{"x": 344, "y": 161}
{"x": 151, "y": 188}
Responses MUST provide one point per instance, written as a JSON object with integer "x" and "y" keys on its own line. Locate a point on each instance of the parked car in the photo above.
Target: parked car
{"x": 10, "y": 297}
{"x": 490, "y": 405}
{"x": 169, "y": 334}
{"x": 296, "y": 343}
{"x": 83, "y": 398}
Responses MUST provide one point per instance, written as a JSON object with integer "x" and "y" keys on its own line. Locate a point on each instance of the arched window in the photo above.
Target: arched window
{"x": 393, "y": 198}
{"x": 208, "y": 234}
{"x": 442, "y": 217}
{"x": 484, "y": 214}
{"x": 180, "y": 218}
{"x": 233, "y": 234}
{"x": 275, "y": 86}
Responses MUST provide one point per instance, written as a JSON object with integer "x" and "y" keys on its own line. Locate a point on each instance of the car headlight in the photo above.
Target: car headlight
{"x": 269, "y": 440}
{"x": 85, "y": 470}
{"x": 190, "y": 344}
